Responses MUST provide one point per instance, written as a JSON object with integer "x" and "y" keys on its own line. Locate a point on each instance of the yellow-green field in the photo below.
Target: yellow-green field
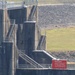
{"x": 39, "y": 1}
{"x": 60, "y": 39}
{"x": 48, "y": 1}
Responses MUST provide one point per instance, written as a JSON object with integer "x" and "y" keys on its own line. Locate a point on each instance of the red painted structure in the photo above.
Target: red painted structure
{"x": 59, "y": 64}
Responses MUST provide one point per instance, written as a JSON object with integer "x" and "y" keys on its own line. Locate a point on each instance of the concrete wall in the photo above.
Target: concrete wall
{"x": 1, "y": 26}
{"x": 26, "y": 38}
{"x": 0, "y": 60}
{"x": 18, "y": 13}
{"x": 1, "y": 37}
{"x": 42, "y": 58}
{"x": 45, "y": 72}
{"x": 29, "y": 37}
{"x": 6, "y": 58}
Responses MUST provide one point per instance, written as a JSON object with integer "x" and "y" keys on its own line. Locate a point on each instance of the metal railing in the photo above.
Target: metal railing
{"x": 29, "y": 60}
{"x": 31, "y": 16}
{"x": 14, "y": 4}
{"x": 10, "y": 30}
{"x": 30, "y": 66}
{"x": 25, "y": 66}
{"x": 42, "y": 42}
{"x": 45, "y": 52}
{"x": 48, "y": 54}
{"x": 6, "y": 4}
{"x": 71, "y": 66}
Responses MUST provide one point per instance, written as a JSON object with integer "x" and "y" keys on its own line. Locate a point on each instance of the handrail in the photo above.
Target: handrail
{"x": 41, "y": 42}
{"x": 30, "y": 66}
{"x": 10, "y": 31}
{"x": 29, "y": 60}
{"x": 6, "y": 4}
{"x": 45, "y": 53}
{"x": 32, "y": 12}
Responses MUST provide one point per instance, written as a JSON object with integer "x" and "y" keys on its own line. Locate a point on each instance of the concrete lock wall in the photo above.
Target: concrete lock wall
{"x": 27, "y": 42}
{"x": 29, "y": 37}
{"x": 44, "y": 72}
{"x": 1, "y": 26}
{"x": 18, "y": 13}
{"x": 1, "y": 60}
{"x": 42, "y": 58}
{"x": 6, "y": 58}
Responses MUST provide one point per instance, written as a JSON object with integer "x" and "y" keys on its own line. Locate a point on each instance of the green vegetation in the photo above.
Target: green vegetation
{"x": 49, "y": 1}
{"x": 60, "y": 39}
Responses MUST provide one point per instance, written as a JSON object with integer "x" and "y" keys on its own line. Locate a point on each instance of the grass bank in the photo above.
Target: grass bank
{"x": 61, "y": 39}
